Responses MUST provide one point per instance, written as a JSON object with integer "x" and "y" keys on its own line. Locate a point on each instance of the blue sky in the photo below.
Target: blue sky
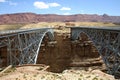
{"x": 62, "y": 7}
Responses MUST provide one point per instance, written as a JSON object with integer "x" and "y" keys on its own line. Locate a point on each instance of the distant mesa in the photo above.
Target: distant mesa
{"x": 35, "y": 18}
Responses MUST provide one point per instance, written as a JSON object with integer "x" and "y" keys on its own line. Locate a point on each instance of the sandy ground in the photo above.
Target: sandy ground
{"x": 38, "y": 73}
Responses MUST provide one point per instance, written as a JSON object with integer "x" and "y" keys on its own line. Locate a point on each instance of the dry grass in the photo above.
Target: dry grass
{"x": 94, "y": 24}
{"x": 53, "y": 25}
{"x": 43, "y": 24}
{"x": 10, "y": 26}
{"x": 63, "y": 25}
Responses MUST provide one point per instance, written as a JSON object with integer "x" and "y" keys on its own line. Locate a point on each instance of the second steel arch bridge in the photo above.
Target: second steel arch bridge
{"x": 107, "y": 42}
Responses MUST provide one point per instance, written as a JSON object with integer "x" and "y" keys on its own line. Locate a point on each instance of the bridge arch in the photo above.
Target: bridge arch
{"x": 50, "y": 34}
{"x": 100, "y": 47}
{"x": 23, "y": 46}
{"x": 78, "y": 36}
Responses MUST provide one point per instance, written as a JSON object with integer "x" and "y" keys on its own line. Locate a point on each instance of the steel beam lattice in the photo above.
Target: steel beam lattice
{"x": 23, "y": 46}
{"x": 107, "y": 42}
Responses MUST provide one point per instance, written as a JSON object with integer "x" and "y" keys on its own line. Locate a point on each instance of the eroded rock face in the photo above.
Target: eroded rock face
{"x": 63, "y": 54}
{"x": 35, "y": 18}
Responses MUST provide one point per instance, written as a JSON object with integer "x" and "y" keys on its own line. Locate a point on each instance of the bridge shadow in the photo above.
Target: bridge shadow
{"x": 3, "y": 56}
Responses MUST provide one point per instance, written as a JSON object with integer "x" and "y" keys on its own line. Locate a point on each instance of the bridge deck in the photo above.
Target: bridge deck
{"x": 20, "y": 30}
{"x": 98, "y": 28}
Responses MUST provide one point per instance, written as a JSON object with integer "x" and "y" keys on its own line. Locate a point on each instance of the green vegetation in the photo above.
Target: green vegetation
{"x": 95, "y": 78}
{"x": 35, "y": 75}
{"x": 24, "y": 76}
{"x": 79, "y": 79}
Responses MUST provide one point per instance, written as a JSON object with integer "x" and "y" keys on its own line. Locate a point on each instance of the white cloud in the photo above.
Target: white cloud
{"x": 41, "y": 5}
{"x": 9, "y": 2}
{"x": 67, "y": 13}
{"x": 12, "y": 3}
{"x": 53, "y": 4}
{"x": 65, "y": 8}
{"x": 2, "y": 1}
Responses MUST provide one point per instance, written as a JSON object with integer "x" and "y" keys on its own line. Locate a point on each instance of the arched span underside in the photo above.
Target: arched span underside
{"x": 107, "y": 43}
{"x": 33, "y": 50}
{"x": 51, "y": 37}
{"x": 23, "y": 46}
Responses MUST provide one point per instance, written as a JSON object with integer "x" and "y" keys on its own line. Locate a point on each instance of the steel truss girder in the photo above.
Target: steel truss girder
{"x": 23, "y": 46}
{"x": 107, "y": 42}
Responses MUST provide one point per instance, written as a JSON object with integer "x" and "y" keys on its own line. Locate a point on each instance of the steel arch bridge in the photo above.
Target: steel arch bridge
{"x": 107, "y": 42}
{"x": 23, "y": 46}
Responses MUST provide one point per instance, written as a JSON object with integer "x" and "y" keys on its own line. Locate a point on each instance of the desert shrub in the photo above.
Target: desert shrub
{"x": 117, "y": 23}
